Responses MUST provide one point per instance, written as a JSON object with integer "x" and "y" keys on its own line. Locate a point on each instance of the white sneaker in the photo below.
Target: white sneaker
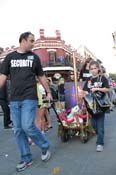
{"x": 46, "y": 157}
{"x": 99, "y": 148}
{"x": 58, "y": 111}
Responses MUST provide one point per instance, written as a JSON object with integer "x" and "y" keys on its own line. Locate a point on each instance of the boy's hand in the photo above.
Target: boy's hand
{"x": 94, "y": 89}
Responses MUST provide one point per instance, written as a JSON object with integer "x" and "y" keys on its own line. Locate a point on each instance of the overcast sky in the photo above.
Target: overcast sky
{"x": 81, "y": 22}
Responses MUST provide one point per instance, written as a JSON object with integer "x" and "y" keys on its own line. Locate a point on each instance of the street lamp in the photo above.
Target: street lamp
{"x": 114, "y": 39}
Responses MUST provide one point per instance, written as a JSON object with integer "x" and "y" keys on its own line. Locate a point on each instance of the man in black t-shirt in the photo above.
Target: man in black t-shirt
{"x": 23, "y": 66}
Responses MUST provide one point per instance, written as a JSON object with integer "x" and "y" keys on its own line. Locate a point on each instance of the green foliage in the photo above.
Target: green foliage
{"x": 112, "y": 75}
{"x": 58, "y": 64}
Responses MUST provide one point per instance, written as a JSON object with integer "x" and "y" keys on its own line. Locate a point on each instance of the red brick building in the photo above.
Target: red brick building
{"x": 55, "y": 55}
{"x": 51, "y": 49}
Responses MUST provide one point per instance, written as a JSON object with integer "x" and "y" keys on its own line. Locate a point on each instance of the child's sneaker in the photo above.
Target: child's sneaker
{"x": 99, "y": 148}
{"x": 45, "y": 156}
{"x": 23, "y": 165}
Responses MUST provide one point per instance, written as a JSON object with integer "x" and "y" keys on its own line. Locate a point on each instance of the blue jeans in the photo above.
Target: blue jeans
{"x": 98, "y": 125}
{"x": 23, "y": 117}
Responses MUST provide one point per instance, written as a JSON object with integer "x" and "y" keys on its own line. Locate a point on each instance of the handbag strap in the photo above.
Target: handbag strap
{"x": 98, "y": 78}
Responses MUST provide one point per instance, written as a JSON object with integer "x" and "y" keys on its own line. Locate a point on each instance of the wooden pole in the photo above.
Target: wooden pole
{"x": 75, "y": 78}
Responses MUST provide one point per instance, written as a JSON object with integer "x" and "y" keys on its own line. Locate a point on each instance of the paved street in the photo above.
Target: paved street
{"x": 70, "y": 158}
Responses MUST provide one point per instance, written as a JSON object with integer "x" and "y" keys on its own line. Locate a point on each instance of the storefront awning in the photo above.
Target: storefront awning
{"x": 58, "y": 68}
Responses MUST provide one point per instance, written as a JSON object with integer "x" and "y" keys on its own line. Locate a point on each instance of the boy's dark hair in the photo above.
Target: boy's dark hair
{"x": 95, "y": 63}
{"x": 24, "y": 35}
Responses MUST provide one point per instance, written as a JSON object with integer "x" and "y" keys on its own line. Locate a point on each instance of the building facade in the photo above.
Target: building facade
{"x": 55, "y": 55}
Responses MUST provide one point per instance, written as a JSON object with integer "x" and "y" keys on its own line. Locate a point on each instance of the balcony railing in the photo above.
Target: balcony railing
{"x": 56, "y": 63}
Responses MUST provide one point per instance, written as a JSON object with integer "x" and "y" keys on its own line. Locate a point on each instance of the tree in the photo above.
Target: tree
{"x": 112, "y": 76}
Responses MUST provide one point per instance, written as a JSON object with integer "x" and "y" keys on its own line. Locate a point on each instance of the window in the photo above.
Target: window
{"x": 52, "y": 57}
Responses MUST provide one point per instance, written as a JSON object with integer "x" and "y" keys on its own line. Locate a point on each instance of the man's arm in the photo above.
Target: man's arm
{"x": 2, "y": 79}
{"x": 43, "y": 81}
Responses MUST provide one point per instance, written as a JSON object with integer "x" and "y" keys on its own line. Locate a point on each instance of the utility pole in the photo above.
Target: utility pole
{"x": 75, "y": 77}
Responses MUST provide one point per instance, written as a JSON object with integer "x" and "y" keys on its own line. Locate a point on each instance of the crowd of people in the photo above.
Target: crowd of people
{"x": 31, "y": 93}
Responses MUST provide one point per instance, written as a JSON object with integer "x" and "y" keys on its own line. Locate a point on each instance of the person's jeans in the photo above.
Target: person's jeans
{"x": 23, "y": 117}
{"x": 98, "y": 125}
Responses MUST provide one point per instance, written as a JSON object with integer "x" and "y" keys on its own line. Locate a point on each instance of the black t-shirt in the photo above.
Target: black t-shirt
{"x": 61, "y": 89}
{"x": 84, "y": 75}
{"x": 99, "y": 82}
{"x": 22, "y": 67}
